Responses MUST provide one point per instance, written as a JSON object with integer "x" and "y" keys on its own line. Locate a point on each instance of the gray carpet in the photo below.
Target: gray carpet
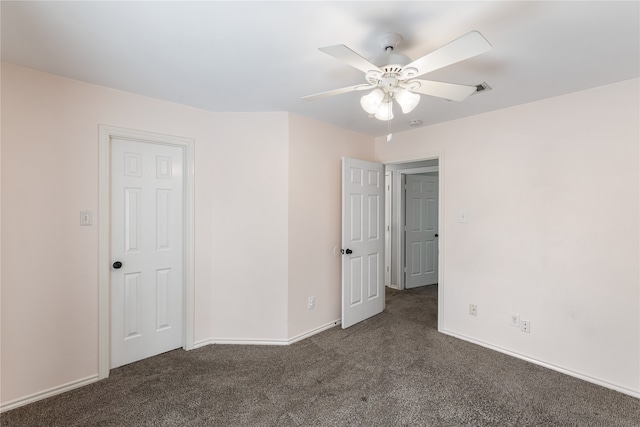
{"x": 392, "y": 370}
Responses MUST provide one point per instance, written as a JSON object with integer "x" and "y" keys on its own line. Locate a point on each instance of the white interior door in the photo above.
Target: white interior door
{"x": 421, "y": 228}
{"x": 147, "y": 217}
{"x": 362, "y": 240}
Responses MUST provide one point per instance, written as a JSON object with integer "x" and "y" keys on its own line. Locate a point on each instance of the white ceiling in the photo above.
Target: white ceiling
{"x": 262, "y": 56}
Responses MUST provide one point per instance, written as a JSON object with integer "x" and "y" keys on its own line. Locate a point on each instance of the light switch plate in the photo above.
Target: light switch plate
{"x": 85, "y": 217}
{"x": 515, "y": 320}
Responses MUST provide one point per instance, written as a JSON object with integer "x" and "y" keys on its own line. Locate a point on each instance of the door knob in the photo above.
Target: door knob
{"x": 117, "y": 264}
{"x": 436, "y": 235}
{"x": 348, "y": 252}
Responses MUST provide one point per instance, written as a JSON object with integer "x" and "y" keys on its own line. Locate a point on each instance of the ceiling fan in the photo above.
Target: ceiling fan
{"x": 395, "y": 76}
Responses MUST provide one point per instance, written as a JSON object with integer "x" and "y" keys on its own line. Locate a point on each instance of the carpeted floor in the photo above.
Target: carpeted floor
{"x": 392, "y": 370}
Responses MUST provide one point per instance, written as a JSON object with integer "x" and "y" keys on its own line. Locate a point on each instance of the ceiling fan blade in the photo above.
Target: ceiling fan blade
{"x": 344, "y": 54}
{"x": 337, "y": 91}
{"x": 451, "y": 91}
{"x": 465, "y": 47}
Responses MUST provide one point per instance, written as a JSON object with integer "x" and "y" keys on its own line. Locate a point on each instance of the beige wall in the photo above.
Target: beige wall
{"x": 315, "y": 165}
{"x": 551, "y": 189}
{"x": 248, "y": 243}
{"x": 251, "y": 278}
{"x": 552, "y": 194}
{"x": 50, "y": 173}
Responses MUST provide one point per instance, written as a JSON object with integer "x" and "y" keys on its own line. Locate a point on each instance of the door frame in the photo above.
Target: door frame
{"x": 398, "y": 230}
{"x": 104, "y": 235}
{"x": 388, "y": 191}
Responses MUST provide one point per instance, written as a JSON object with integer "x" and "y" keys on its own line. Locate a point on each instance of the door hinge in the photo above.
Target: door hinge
{"x": 404, "y": 269}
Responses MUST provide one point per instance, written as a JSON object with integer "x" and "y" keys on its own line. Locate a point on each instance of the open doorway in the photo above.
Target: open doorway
{"x": 412, "y": 224}
{"x": 389, "y": 236}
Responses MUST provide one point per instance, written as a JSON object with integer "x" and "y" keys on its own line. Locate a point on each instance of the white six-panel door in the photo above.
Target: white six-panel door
{"x": 421, "y": 246}
{"x": 147, "y": 238}
{"x": 362, "y": 240}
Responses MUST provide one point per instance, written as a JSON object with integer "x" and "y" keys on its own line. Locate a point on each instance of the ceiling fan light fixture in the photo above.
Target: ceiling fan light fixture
{"x": 371, "y": 102}
{"x": 407, "y": 100}
{"x": 385, "y": 110}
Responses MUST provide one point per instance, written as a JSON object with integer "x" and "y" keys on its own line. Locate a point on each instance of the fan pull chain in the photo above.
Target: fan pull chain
{"x": 389, "y": 136}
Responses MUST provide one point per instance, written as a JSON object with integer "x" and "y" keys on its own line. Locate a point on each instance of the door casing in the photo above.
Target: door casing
{"x": 104, "y": 235}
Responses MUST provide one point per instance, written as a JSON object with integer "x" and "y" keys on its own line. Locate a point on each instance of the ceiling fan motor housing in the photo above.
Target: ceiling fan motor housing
{"x": 390, "y": 63}
{"x": 392, "y": 71}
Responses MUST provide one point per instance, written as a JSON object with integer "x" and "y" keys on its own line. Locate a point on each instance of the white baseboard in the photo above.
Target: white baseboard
{"x": 258, "y": 341}
{"x": 12, "y": 404}
{"x": 201, "y": 343}
{"x": 588, "y": 378}
{"x": 314, "y": 331}
{"x": 248, "y": 341}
